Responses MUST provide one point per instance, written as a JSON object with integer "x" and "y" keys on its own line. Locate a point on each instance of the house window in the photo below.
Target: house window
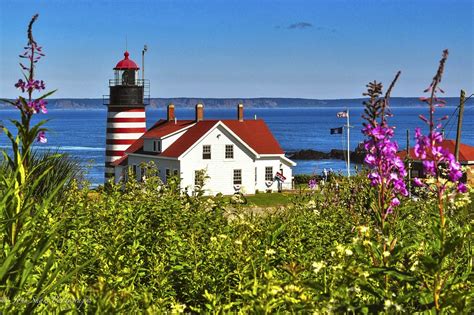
{"x": 229, "y": 151}
{"x": 237, "y": 177}
{"x": 142, "y": 172}
{"x": 199, "y": 178}
{"x": 168, "y": 173}
{"x": 256, "y": 175}
{"x": 175, "y": 172}
{"x": 269, "y": 173}
{"x": 156, "y": 146}
{"x": 206, "y": 152}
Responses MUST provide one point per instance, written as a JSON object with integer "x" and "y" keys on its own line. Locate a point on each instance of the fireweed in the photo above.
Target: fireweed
{"x": 27, "y": 104}
{"x": 443, "y": 175}
{"x": 387, "y": 170}
{"x": 438, "y": 163}
{"x": 20, "y": 162}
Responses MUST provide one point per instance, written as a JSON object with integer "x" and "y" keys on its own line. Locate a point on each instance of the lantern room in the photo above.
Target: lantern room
{"x": 126, "y": 89}
{"x": 126, "y": 71}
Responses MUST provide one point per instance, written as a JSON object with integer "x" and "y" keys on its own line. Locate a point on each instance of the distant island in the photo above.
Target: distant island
{"x": 262, "y": 102}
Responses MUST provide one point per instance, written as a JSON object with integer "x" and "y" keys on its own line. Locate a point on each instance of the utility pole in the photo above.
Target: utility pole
{"x": 348, "y": 146}
{"x": 408, "y": 162}
{"x": 462, "y": 99}
{"x": 145, "y": 48}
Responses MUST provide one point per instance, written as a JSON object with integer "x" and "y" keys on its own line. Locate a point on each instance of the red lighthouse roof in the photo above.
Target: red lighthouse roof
{"x": 126, "y": 64}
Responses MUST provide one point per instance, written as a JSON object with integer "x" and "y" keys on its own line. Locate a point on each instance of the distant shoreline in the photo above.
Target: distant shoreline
{"x": 225, "y": 103}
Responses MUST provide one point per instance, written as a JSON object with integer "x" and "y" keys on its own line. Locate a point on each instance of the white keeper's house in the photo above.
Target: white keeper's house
{"x": 235, "y": 155}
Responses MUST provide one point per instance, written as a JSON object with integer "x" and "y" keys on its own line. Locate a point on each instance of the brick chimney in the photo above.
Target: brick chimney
{"x": 240, "y": 112}
{"x": 199, "y": 112}
{"x": 170, "y": 112}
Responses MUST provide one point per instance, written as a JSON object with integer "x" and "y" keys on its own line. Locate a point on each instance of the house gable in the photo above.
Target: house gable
{"x": 220, "y": 130}
{"x": 217, "y": 166}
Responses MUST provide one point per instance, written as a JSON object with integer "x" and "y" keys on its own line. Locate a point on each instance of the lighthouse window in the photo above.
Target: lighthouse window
{"x": 156, "y": 146}
{"x": 269, "y": 173}
{"x": 206, "y": 152}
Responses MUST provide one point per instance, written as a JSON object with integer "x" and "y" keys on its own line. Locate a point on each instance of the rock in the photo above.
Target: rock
{"x": 309, "y": 155}
{"x": 337, "y": 154}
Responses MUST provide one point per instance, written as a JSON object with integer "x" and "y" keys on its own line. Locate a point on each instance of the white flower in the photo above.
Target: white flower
{"x": 348, "y": 252}
{"x": 311, "y": 204}
{"x": 270, "y": 252}
{"x": 317, "y": 266}
{"x": 386, "y": 253}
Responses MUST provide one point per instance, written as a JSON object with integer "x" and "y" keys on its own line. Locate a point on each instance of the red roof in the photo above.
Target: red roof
{"x": 188, "y": 138}
{"x": 126, "y": 64}
{"x": 122, "y": 161}
{"x": 136, "y": 146}
{"x": 255, "y": 133}
{"x": 163, "y": 127}
{"x": 466, "y": 152}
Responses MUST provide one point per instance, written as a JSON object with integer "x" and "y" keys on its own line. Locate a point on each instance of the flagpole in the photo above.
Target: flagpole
{"x": 348, "y": 146}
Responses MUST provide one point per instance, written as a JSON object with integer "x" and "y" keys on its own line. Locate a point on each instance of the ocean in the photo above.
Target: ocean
{"x": 81, "y": 133}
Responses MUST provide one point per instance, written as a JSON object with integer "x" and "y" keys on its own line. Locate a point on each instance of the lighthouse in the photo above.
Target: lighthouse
{"x": 126, "y": 118}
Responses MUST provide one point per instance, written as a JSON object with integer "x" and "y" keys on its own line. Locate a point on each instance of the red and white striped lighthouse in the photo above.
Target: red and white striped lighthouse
{"x": 126, "y": 119}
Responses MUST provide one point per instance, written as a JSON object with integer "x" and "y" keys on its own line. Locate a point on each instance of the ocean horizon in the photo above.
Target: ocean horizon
{"x": 81, "y": 133}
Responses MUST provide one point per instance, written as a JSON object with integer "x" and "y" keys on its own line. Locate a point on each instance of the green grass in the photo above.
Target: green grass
{"x": 269, "y": 199}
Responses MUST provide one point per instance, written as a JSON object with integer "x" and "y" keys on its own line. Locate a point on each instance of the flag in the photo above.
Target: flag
{"x": 342, "y": 114}
{"x": 336, "y": 131}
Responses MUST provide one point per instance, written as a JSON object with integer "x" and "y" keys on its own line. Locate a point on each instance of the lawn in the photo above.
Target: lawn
{"x": 269, "y": 199}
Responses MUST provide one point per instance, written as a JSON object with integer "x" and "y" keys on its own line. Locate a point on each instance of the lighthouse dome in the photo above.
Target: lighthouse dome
{"x": 126, "y": 63}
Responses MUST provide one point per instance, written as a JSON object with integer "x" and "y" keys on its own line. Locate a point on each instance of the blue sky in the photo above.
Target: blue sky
{"x": 310, "y": 49}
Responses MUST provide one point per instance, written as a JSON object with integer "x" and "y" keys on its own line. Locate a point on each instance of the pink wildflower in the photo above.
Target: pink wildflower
{"x": 42, "y": 137}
